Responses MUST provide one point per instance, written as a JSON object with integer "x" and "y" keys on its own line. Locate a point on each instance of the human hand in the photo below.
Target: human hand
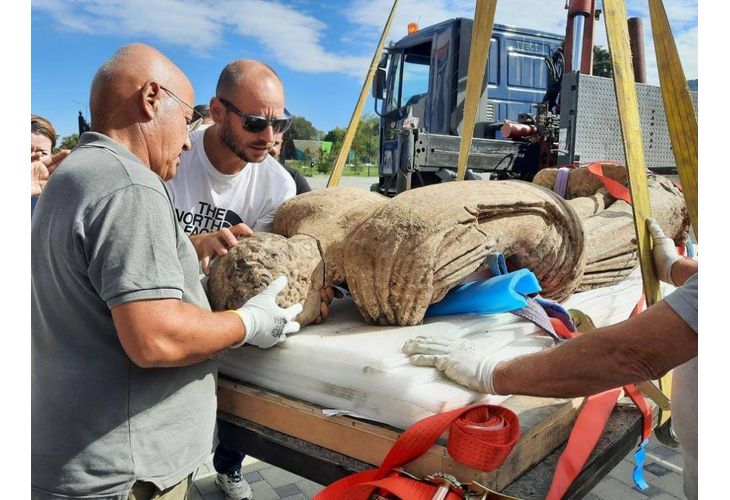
{"x": 38, "y": 177}
{"x": 265, "y": 322}
{"x": 663, "y": 252}
{"x": 326, "y": 295}
{"x": 55, "y": 160}
{"x": 41, "y": 168}
{"x": 209, "y": 245}
{"x": 458, "y": 359}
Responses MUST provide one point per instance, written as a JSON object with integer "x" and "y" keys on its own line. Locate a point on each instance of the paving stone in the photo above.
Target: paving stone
{"x": 278, "y": 477}
{"x": 253, "y": 477}
{"x": 613, "y": 489}
{"x": 672, "y": 484}
{"x": 309, "y": 488}
{"x": 206, "y": 485}
{"x": 651, "y": 492}
{"x": 298, "y": 496}
{"x": 657, "y": 469}
{"x": 674, "y": 463}
{"x": 263, "y": 491}
{"x": 624, "y": 472}
{"x": 193, "y": 494}
{"x": 214, "y": 495}
{"x": 664, "y": 496}
{"x": 665, "y": 452}
{"x": 250, "y": 464}
{"x": 287, "y": 490}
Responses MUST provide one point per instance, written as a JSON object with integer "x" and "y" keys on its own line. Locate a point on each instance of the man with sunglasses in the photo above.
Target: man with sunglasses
{"x": 229, "y": 186}
{"x": 123, "y": 387}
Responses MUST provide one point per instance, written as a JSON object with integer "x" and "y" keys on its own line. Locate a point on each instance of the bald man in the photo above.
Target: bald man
{"x": 123, "y": 389}
{"x": 229, "y": 186}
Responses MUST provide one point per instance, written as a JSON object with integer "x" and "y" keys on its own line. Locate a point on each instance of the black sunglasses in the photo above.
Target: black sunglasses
{"x": 255, "y": 123}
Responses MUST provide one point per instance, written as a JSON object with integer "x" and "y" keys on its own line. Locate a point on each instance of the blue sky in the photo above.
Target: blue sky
{"x": 321, "y": 49}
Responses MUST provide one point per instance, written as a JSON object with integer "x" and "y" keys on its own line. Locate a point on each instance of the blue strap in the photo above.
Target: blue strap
{"x": 535, "y": 314}
{"x": 561, "y": 181}
{"x": 497, "y": 264}
{"x": 555, "y": 310}
{"x": 639, "y": 458}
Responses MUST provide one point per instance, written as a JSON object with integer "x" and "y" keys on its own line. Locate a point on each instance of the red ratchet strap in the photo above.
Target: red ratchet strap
{"x": 590, "y": 423}
{"x": 480, "y": 436}
{"x": 614, "y": 188}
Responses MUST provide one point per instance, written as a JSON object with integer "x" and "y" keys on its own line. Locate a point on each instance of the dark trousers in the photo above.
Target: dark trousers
{"x": 227, "y": 459}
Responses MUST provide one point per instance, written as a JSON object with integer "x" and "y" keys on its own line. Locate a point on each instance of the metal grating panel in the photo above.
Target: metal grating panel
{"x": 589, "y": 120}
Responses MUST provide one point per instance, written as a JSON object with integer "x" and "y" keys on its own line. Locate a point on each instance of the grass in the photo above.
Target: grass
{"x": 307, "y": 171}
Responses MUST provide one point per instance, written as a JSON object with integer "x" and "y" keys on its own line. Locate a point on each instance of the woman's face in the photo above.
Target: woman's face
{"x": 40, "y": 144}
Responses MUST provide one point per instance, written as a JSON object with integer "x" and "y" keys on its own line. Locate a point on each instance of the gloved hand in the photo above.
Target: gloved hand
{"x": 266, "y": 323}
{"x": 459, "y": 360}
{"x": 664, "y": 252}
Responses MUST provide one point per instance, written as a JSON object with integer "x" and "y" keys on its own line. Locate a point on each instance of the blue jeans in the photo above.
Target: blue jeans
{"x": 227, "y": 459}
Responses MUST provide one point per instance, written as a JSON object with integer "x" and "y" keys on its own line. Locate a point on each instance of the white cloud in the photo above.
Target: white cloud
{"x": 201, "y": 25}
{"x": 196, "y": 25}
{"x": 296, "y": 42}
{"x": 293, "y": 35}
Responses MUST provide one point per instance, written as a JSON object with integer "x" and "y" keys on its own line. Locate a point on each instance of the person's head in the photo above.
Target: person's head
{"x": 203, "y": 110}
{"x": 248, "y": 109}
{"x": 275, "y": 150}
{"x": 42, "y": 136}
{"x": 142, "y": 100}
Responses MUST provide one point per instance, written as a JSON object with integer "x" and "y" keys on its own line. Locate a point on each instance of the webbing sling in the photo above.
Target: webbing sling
{"x": 478, "y": 55}
{"x": 658, "y": 394}
{"x": 681, "y": 118}
{"x": 614, "y": 188}
{"x": 480, "y": 436}
{"x": 588, "y": 428}
{"x": 336, "y": 174}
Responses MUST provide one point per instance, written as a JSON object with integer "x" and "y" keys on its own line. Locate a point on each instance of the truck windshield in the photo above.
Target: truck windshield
{"x": 409, "y": 84}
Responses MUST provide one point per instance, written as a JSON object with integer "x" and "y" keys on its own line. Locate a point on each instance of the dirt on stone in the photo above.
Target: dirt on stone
{"x": 258, "y": 260}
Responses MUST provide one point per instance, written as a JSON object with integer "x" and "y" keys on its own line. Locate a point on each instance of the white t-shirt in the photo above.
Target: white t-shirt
{"x": 206, "y": 200}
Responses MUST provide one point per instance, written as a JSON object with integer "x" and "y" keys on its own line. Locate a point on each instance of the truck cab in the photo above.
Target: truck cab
{"x": 420, "y": 88}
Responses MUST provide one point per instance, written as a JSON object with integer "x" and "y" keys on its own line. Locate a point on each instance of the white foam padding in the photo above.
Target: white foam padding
{"x": 347, "y": 365}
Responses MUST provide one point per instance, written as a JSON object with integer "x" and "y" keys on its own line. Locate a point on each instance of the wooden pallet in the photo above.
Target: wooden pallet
{"x": 545, "y": 425}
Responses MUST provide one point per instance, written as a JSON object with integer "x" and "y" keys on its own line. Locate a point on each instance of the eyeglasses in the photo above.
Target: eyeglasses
{"x": 197, "y": 119}
{"x": 255, "y": 123}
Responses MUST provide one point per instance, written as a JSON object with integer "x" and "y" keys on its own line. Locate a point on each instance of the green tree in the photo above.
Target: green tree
{"x": 69, "y": 142}
{"x": 602, "y": 62}
{"x": 337, "y": 134}
{"x": 366, "y": 143}
{"x": 301, "y": 128}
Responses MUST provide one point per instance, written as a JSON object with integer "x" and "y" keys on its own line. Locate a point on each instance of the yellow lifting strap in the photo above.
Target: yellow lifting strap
{"x": 628, "y": 111}
{"x": 681, "y": 117}
{"x": 481, "y": 34}
{"x": 336, "y": 174}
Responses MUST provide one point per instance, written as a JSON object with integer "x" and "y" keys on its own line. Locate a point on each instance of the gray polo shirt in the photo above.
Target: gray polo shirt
{"x": 104, "y": 233}
{"x": 684, "y": 387}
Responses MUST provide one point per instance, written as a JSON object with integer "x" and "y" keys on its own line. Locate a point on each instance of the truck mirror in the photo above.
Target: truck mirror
{"x": 379, "y": 84}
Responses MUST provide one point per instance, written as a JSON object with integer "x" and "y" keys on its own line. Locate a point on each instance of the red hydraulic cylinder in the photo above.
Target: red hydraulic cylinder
{"x": 513, "y": 129}
{"x": 636, "y": 38}
{"x": 581, "y": 18}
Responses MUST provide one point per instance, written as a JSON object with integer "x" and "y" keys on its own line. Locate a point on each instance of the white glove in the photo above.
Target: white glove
{"x": 266, "y": 323}
{"x": 664, "y": 252}
{"x": 458, "y": 359}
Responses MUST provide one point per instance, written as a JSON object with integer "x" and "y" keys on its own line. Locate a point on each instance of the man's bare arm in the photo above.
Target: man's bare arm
{"x": 170, "y": 332}
{"x": 641, "y": 348}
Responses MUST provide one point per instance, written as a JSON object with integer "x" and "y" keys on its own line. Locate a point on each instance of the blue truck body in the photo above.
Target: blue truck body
{"x": 516, "y": 77}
